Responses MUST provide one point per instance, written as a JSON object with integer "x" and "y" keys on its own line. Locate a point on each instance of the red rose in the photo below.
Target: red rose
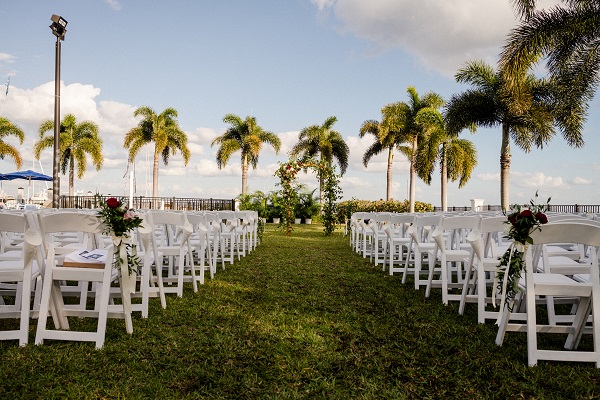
{"x": 112, "y": 202}
{"x": 512, "y": 218}
{"x": 541, "y": 218}
{"x": 526, "y": 214}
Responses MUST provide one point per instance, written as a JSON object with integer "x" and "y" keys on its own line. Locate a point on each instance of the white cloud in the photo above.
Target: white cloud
{"x": 354, "y": 182}
{"x": 116, "y": 118}
{"x": 207, "y": 167}
{"x": 114, "y": 4}
{"x": 288, "y": 140}
{"x": 29, "y": 107}
{"x": 489, "y": 177}
{"x": 441, "y": 35}
{"x": 203, "y": 136}
{"x": 7, "y": 58}
{"x": 581, "y": 181}
{"x": 535, "y": 180}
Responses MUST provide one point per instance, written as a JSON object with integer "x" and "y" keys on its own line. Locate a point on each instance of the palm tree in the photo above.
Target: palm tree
{"x": 7, "y": 128}
{"x": 456, "y": 157}
{"x": 164, "y": 131}
{"x": 391, "y": 139}
{"x": 328, "y": 143}
{"x": 245, "y": 136}
{"x": 568, "y": 37}
{"x": 526, "y": 115}
{"x": 402, "y": 119}
{"x": 77, "y": 141}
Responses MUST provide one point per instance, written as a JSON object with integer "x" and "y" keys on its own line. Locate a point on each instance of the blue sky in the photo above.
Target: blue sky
{"x": 290, "y": 64}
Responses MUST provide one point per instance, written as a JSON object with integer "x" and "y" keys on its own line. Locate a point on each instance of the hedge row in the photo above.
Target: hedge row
{"x": 347, "y": 207}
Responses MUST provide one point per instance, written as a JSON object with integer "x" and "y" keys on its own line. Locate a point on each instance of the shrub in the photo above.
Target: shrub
{"x": 347, "y": 207}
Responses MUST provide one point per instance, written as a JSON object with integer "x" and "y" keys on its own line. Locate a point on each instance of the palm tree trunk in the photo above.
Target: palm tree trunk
{"x": 245, "y": 175}
{"x": 389, "y": 173}
{"x": 413, "y": 174}
{"x": 321, "y": 194}
{"x": 155, "y": 175}
{"x": 505, "y": 168}
{"x": 444, "y": 177}
{"x": 71, "y": 175}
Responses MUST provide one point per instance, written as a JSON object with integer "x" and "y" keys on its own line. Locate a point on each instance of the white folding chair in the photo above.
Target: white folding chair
{"x": 227, "y": 237}
{"x": 449, "y": 236}
{"x": 398, "y": 241}
{"x": 537, "y": 284}
{"x": 487, "y": 243}
{"x": 420, "y": 245}
{"x": 200, "y": 246}
{"x": 18, "y": 272}
{"x": 171, "y": 231}
{"x": 52, "y": 297}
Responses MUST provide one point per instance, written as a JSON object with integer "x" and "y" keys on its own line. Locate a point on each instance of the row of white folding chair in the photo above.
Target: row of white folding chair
{"x": 535, "y": 285}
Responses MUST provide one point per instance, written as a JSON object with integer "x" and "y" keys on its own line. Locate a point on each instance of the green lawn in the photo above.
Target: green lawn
{"x": 301, "y": 317}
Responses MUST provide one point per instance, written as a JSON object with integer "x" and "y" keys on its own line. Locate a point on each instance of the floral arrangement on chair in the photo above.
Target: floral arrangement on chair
{"x": 118, "y": 222}
{"x": 522, "y": 222}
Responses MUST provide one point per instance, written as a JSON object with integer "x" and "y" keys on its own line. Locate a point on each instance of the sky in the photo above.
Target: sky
{"x": 290, "y": 64}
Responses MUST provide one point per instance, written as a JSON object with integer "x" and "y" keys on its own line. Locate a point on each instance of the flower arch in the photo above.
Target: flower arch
{"x": 287, "y": 174}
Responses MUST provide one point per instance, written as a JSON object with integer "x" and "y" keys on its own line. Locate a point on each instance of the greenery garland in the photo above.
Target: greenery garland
{"x": 523, "y": 221}
{"x": 287, "y": 174}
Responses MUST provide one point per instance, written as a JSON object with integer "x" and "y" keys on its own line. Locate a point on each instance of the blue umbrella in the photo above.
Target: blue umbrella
{"x": 27, "y": 175}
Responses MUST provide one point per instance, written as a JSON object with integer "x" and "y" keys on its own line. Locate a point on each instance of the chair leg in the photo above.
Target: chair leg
{"x": 25, "y": 306}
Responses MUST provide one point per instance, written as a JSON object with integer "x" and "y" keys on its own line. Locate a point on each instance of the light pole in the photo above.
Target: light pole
{"x": 59, "y": 29}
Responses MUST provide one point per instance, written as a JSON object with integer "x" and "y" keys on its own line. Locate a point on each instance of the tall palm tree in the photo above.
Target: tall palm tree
{"x": 162, "y": 129}
{"x": 245, "y": 136}
{"x": 7, "y": 128}
{"x": 456, "y": 157}
{"x": 526, "y": 115}
{"x": 568, "y": 37}
{"x": 402, "y": 117}
{"x": 391, "y": 140}
{"x": 77, "y": 141}
{"x": 327, "y": 143}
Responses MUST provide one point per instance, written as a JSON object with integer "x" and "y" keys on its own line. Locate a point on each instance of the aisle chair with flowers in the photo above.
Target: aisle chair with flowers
{"x": 536, "y": 284}
{"x": 52, "y": 300}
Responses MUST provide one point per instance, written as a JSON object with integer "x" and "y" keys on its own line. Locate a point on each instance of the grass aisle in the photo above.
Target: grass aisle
{"x": 301, "y": 317}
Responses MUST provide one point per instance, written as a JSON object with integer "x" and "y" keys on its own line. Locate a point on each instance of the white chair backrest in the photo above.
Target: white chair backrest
{"x": 423, "y": 226}
{"x": 86, "y": 228}
{"x": 456, "y": 228}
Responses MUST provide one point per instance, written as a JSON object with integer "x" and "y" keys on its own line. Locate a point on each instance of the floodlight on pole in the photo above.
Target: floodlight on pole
{"x": 59, "y": 29}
